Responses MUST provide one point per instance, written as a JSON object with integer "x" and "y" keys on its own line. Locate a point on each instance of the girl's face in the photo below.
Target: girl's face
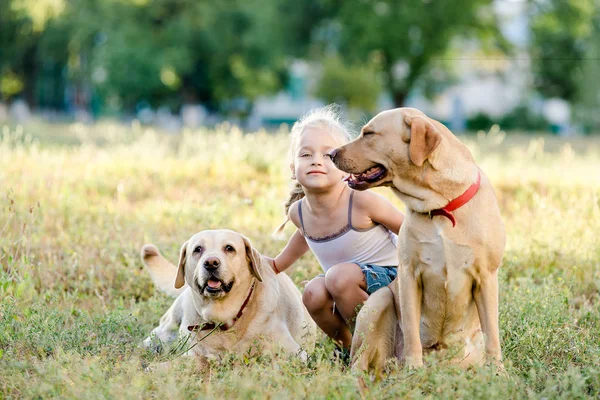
{"x": 313, "y": 167}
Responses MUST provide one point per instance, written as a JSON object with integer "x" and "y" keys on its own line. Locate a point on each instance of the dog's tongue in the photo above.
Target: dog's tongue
{"x": 213, "y": 283}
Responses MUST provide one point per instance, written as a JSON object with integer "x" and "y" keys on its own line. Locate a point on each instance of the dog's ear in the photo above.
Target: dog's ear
{"x": 253, "y": 258}
{"x": 180, "y": 280}
{"x": 424, "y": 139}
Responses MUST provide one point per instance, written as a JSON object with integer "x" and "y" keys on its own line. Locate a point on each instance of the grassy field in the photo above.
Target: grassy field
{"x": 77, "y": 203}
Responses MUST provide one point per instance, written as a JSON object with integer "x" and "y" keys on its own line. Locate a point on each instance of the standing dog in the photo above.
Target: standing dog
{"x": 228, "y": 297}
{"x": 450, "y": 244}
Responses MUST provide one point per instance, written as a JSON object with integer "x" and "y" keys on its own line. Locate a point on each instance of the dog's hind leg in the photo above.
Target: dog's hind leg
{"x": 374, "y": 338}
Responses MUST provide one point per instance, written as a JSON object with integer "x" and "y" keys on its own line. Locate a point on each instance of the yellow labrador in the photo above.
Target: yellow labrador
{"x": 450, "y": 244}
{"x": 227, "y": 298}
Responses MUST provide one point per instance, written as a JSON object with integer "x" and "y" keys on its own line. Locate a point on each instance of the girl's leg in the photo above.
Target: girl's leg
{"x": 319, "y": 304}
{"x": 346, "y": 284}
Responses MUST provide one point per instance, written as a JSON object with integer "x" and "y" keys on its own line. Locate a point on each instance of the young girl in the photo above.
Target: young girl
{"x": 351, "y": 233}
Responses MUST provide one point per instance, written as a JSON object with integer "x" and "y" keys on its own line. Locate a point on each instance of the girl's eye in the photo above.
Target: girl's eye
{"x": 305, "y": 155}
{"x": 198, "y": 249}
{"x": 229, "y": 248}
{"x": 327, "y": 155}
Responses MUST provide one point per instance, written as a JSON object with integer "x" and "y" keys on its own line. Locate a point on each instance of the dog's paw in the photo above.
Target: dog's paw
{"x": 303, "y": 356}
{"x": 153, "y": 344}
{"x": 156, "y": 367}
{"x": 414, "y": 362}
{"x": 498, "y": 366}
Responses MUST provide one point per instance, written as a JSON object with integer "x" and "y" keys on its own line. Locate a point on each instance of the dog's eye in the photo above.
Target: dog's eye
{"x": 229, "y": 248}
{"x": 198, "y": 249}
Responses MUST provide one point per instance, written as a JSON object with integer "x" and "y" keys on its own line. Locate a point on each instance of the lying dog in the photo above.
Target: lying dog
{"x": 227, "y": 297}
{"x": 450, "y": 244}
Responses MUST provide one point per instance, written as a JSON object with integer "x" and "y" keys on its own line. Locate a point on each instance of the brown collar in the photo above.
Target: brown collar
{"x": 212, "y": 326}
{"x": 457, "y": 202}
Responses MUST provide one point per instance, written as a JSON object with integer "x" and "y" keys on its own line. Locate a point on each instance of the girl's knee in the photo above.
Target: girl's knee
{"x": 343, "y": 277}
{"x": 315, "y": 296}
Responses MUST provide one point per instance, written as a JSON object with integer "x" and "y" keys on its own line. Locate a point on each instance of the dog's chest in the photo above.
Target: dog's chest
{"x": 436, "y": 257}
{"x": 254, "y": 324}
{"x": 214, "y": 344}
{"x": 445, "y": 271}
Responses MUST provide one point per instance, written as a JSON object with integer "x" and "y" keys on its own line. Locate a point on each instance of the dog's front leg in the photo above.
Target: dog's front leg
{"x": 410, "y": 297}
{"x": 486, "y": 299}
{"x": 166, "y": 332}
{"x": 284, "y": 338}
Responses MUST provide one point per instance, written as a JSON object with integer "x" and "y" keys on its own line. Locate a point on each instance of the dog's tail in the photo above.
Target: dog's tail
{"x": 161, "y": 271}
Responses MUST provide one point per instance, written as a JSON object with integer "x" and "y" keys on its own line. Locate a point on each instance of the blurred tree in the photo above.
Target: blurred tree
{"x": 358, "y": 86}
{"x": 31, "y": 42}
{"x": 561, "y": 31}
{"x": 230, "y": 52}
{"x": 408, "y": 36}
{"x": 157, "y": 51}
{"x": 18, "y": 45}
{"x": 588, "y": 88}
{"x": 197, "y": 50}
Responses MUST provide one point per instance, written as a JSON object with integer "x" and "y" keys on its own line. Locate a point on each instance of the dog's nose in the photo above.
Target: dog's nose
{"x": 212, "y": 263}
{"x": 333, "y": 153}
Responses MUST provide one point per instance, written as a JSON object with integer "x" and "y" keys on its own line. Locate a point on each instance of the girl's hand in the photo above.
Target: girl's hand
{"x": 271, "y": 262}
{"x": 293, "y": 250}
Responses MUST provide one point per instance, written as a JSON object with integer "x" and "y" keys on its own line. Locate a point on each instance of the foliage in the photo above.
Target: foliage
{"x": 520, "y": 118}
{"x": 588, "y": 88}
{"x": 17, "y": 43}
{"x": 158, "y": 51}
{"x": 412, "y": 36}
{"x": 172, "y": 51}
{"x": 561, "y": 31}
{"x": 356, "y": 85}
{"x": 204, "y": 51}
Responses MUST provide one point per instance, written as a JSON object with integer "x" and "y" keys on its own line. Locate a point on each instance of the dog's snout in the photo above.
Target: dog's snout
{"x": 333, "y": 154}
{"x": 212, "y": 263}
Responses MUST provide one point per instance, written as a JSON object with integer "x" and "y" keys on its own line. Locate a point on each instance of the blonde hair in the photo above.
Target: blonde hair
{"x": 326, "y": 118}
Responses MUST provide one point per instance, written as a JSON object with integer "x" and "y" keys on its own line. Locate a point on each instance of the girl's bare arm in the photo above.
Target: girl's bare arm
{"x": 293, "y": 250}
{"x": 380, "y": 210}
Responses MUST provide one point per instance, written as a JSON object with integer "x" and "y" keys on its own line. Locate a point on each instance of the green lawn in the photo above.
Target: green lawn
{"x": 77, "y": 203}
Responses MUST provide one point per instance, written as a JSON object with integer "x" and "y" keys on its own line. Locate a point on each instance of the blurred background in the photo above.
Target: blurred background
{"x": 523, "y": 65}
{"x": 124, "y": 122}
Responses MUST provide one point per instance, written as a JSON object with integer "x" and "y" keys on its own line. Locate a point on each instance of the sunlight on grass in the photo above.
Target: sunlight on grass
{"x": 77, "y": 202}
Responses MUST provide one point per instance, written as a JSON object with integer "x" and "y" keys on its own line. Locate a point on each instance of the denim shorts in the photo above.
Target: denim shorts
{"x": 376, "y": 276}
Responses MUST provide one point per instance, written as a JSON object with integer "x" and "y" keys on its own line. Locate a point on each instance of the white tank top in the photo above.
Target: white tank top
{"x": 375, "y": 245}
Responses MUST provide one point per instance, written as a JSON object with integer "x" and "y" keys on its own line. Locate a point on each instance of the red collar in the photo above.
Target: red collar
{"x": 457, "y": 202}
{"x": 212, "y": 326}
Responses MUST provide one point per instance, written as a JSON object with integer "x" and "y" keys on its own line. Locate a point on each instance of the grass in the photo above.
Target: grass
{"x": 77, "y": 202}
